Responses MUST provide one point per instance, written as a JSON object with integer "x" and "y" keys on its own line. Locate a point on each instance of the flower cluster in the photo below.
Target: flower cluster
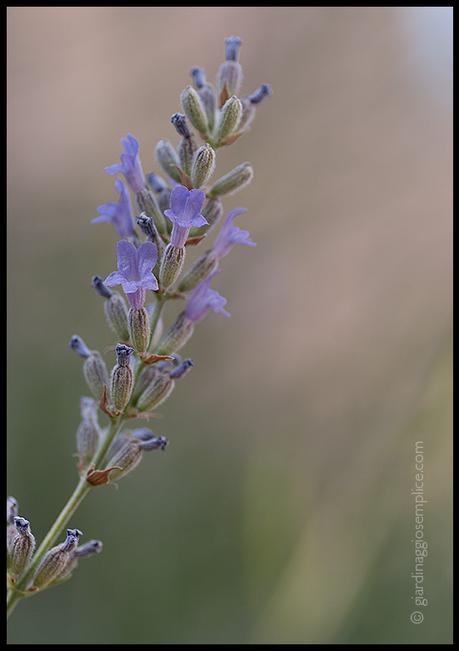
{"x": 157, "y": 218}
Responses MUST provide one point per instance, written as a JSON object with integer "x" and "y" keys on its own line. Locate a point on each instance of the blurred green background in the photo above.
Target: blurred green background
{"x": 281, "y": 512}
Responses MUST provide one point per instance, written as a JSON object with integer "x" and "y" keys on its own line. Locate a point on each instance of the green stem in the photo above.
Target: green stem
{"x": 69, "y": 509}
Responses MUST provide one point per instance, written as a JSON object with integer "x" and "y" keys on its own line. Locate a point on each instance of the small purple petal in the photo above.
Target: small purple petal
{"x": 147, "y": 255}
{"x": 100, "y": 219}
{"x": 115, "y": 278}
{"x": 203, "y": 299}
{"x": 127, "y": 260}
{"x": 199, "y": 220}
{"x": 150, "y": 282}
{"x": 114, "y": 169}
{"x": 179, "y": 196}
{"x": 193, "y": 205}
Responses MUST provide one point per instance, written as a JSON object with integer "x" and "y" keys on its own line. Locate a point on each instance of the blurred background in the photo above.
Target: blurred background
{"x": 281, "y": 512}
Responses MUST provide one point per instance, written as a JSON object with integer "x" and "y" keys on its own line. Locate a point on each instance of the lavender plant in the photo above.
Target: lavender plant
{"x": 173, "y": 213}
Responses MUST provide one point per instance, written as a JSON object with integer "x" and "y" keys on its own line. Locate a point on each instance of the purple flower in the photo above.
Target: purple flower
{"x": 120, "y": 214}
{"x": 230, "y": 235}
{"x": 134, "y": 271}
{"x": 185, "y": 213}
{"x": 130, "y": 164}
{"x": 202, "y": 299}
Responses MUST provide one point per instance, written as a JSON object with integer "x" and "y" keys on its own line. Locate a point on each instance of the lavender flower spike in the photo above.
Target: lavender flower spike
{"x": 203, "y": 299}
{"x": 134, "y": 271}
{"x": 185, "y": 213}
{"x": 120, "y": 214}
{"x": 230, "y": 235}
{"x": 130, "y": 164}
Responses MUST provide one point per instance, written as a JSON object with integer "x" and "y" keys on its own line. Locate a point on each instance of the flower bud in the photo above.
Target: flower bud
{"x": 203, "y": 166}
{"x": 232, "y": 47}
{"x": 233, "y": 181}
{"x": 130, "y": 454}
{"x": 116, "y": 315}
{"x": 139, "y": 328}
{"x": 179, "y": 122}
{"x": 186, "y": 151}
{"x": 125, "y": 459}
{"x": 94, "y": 368}
{"x": 146, "y": 377}
{"x": 229, "y": 80}
{"x": 56, "y": 561}
{"x": 229, "y": 118}
{"x": 154, "y": 443}
{"x": 187, "y": 145}
{"x": 100, "y": 287}
{"x": 149, "y": 229}
{"x": 202, "y": 268}
{"x": 114, "y": 307}
{"x": 122, "y": 378}
{"x": 88, "y": 432}
{"x": 171, "y": 265}
{"x": 247, "y": 117}
{"x": 89, "y": 548}
{"x": 206, "y": 93}
{"x": 11, "y": 510}
{"x": 146, "y": 201}
{"x": 156, "y": 183}
{"x": 11, "y": 513}
{"x": 95, "y": 373}
{"x": 181, "y": 369}
{"x": 177, "y": 335}
{"x": 21, "y": 545}
{"x": 156, "y": 392}
{"x": 194, "y": 110}
{"x": 258, "y": 96}
{"x": 168, "y": 158}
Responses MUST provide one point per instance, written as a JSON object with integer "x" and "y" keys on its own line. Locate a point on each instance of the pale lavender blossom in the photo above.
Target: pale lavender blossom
{"x": 134, "y": 271}
{"x": 202, "y": 299}
{"x": 120, "y": 213}
{"x": 130, "y": 164}
{"x": 230, "y": 235}
{"x": 185, "y": 213}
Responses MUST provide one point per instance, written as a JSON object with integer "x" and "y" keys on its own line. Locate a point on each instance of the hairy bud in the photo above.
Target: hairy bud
{"x": 233, "y": 181}
{"x": 115, "y": 309}
{"x": 94, "y": 368}
{"x": 129, "y": 455}
{"x": 56, "y": 561}
{"x": 202, "y": 268}
{"x": 228, "y": 120}
{"x": 171, "y": 265}
{"x": 169, "y": 160}
{"x": 21, "y": 545}
{"x": 203, "y": 166}
{"x": 11, "y": 510}
{"x": 139, "y": 328}
{"x": 177, "y": 335}
{"x": 156, "y": 392}
{"x": 122, "y": 378}
{"x": 229, "y": 80}
{"x": 88, "y": 432}
{"x": 147, "y": 203}
{"x": 194, "y": 110}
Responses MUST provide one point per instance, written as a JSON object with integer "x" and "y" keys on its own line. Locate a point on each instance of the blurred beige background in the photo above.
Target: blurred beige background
{"x": 282, "y": 509}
